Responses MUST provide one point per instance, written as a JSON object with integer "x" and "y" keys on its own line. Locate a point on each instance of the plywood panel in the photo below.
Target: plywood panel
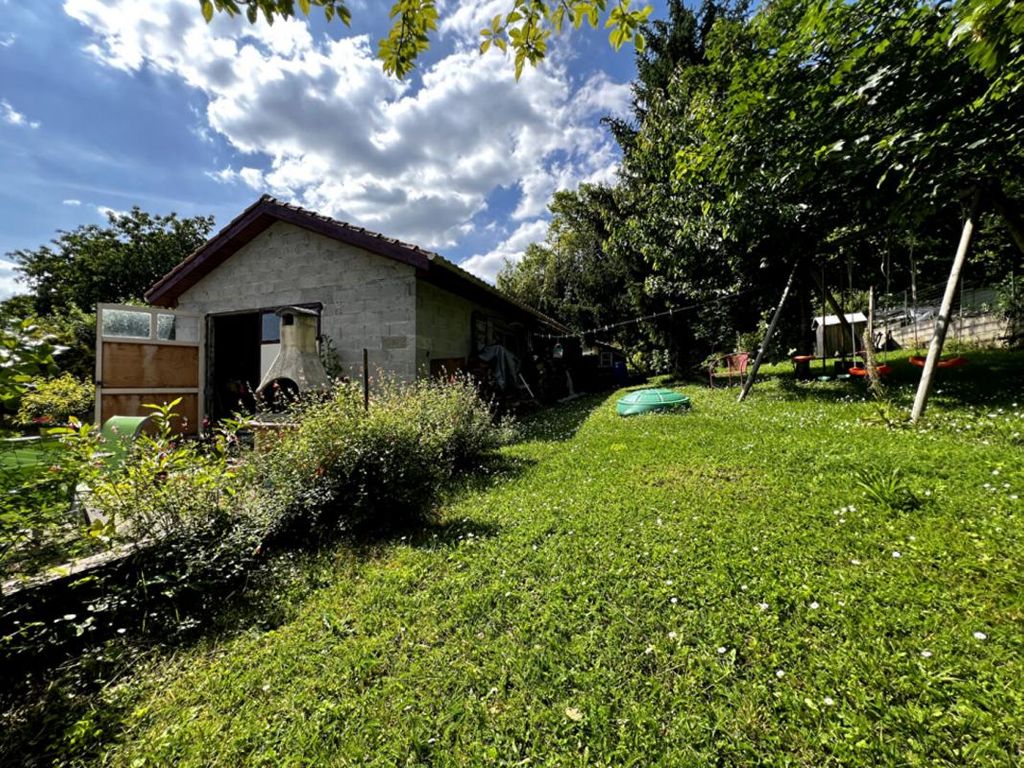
{"x": 132, "y": 405}
{"x": 134, "y": 365}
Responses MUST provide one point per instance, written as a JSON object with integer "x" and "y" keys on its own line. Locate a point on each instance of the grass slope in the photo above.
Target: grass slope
{"x": 707, "y": 588}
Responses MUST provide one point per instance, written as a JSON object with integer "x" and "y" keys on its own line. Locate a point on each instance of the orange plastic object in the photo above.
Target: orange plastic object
{"x": 948, "y": 362}
{"x": 883, "y": 370}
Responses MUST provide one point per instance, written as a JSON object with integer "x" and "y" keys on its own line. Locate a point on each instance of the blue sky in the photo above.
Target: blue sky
{"x": 105, "y": 104}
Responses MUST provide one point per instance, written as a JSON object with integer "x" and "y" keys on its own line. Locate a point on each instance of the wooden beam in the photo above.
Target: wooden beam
{"x": 847, "y": 328}
{"x": 924, "y": 388}
{"x": 767, "y": 337}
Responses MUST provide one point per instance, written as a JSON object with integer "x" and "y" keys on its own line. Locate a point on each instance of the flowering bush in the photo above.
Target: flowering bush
{"x": 55, "y": 401}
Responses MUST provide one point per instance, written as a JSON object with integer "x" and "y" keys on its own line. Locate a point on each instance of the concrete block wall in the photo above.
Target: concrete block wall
{"x": 369, "y": 301}
{"x": 443, "y": 325}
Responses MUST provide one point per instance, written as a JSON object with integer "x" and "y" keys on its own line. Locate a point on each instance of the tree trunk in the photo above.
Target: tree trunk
{"x": 1008, "y": 213}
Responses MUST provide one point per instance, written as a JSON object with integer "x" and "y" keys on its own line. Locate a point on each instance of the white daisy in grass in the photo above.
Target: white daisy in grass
{"x": 980, "y": 636}
{"x": 780, "y": 673}
{"x": 722, "y": 649}
{"x": 815, "y": 605}
{"x": 926, "y": 654}
{"x": 672, "y": 635}
{"x": 762, "y": 606}
{"x": 828, "y": 701}
{"x": 896, "y": 554}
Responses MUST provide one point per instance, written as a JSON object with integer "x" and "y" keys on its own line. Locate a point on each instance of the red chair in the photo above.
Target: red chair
{"x": 729, "y": 367}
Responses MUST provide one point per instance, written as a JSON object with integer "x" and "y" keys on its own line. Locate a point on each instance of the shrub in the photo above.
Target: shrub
{"x": 25, "y": 352}
{"x": 37, "y": 527}
{"x": 345, "y": 467}
{"x": 162, "y": 483}
{"x": 203, "y": 515}
{"x": 54, "y": 401}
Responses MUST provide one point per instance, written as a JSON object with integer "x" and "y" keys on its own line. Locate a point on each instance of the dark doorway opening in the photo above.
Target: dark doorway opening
{"x": 234, "y": 360}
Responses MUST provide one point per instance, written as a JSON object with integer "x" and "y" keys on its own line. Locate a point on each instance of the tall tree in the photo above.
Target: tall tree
{"x": 684, "y": 263}
{"x": 572, "y": 276}
{"x": 115, "y": 263}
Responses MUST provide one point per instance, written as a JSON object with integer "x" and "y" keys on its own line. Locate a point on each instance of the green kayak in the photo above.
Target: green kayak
{"x": 650, "y": 400}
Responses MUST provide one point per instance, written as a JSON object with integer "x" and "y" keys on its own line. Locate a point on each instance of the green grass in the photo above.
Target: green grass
{"x": 20, "y": 461}
{"x": 707, "y": 588}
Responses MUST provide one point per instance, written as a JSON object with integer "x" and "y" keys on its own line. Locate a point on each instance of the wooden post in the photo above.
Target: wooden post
{"x": 942, "y": 321}
{"x": 913, "y": 299}
{"x": 366, "y": 380}
{"x": 767, "y": 337}
{"x": 821, "y": 325}
{"x": 826, "y": 296}
{"x": 871, "y": 316}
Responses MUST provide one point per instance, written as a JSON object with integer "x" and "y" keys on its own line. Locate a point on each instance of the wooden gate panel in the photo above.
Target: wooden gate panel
{"x": 149, "y": 355}
{"x": 150, "y": 366}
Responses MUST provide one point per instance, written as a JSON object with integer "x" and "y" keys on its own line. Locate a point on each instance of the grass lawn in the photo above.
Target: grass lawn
{"x": 705, "y": 588}
{"x": 22, "y": 460}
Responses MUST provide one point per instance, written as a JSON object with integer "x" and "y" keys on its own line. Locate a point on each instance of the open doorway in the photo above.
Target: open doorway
{"x": 234, "y": 346}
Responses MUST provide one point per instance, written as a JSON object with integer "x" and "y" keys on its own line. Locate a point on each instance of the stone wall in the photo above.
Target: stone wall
{"x": 369, "y": 301}
{"x": 988, "y": 330}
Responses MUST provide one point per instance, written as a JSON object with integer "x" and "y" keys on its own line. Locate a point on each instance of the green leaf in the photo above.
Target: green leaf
{"x": 207, "y": 10}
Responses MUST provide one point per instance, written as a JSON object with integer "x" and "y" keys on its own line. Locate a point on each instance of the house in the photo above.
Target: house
{"x": 214, "y": 325}
{"x": 832, "y": 340}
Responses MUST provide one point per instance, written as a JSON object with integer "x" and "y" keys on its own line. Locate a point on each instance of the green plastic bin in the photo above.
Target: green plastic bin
{"x": 651, "y": 401}
{"x": 118, "y": 432}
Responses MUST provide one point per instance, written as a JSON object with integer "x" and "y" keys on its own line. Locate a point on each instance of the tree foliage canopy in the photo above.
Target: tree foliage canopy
{"x": 571, "y": 275}
{"x": 821, "y": 133}
{"x": 115, "y": 263}
{"x": 524, "y": 28}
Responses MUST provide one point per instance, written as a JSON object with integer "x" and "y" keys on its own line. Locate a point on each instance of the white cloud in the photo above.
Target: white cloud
{"x": 106, "y": 212}
{"x": 71, "y": 201}
{"x": 465, "y": 19}
{"x": 6, "y": 41}
{"x": 487, "y": 265}
{"x": 327, "y": 129}
{"x": 8, "y": 281}
{"x": 11, "y": 116}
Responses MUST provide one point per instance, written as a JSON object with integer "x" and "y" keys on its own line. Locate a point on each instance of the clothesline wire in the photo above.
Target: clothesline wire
{"x": 643, "y": 318}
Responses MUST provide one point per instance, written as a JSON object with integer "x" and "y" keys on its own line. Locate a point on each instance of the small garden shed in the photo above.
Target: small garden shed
{"x": 415, "y": 313}
{"x": 832, "y": 339}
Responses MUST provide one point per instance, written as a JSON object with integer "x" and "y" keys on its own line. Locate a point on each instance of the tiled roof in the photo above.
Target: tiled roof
{"x": 267, "y": 209}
